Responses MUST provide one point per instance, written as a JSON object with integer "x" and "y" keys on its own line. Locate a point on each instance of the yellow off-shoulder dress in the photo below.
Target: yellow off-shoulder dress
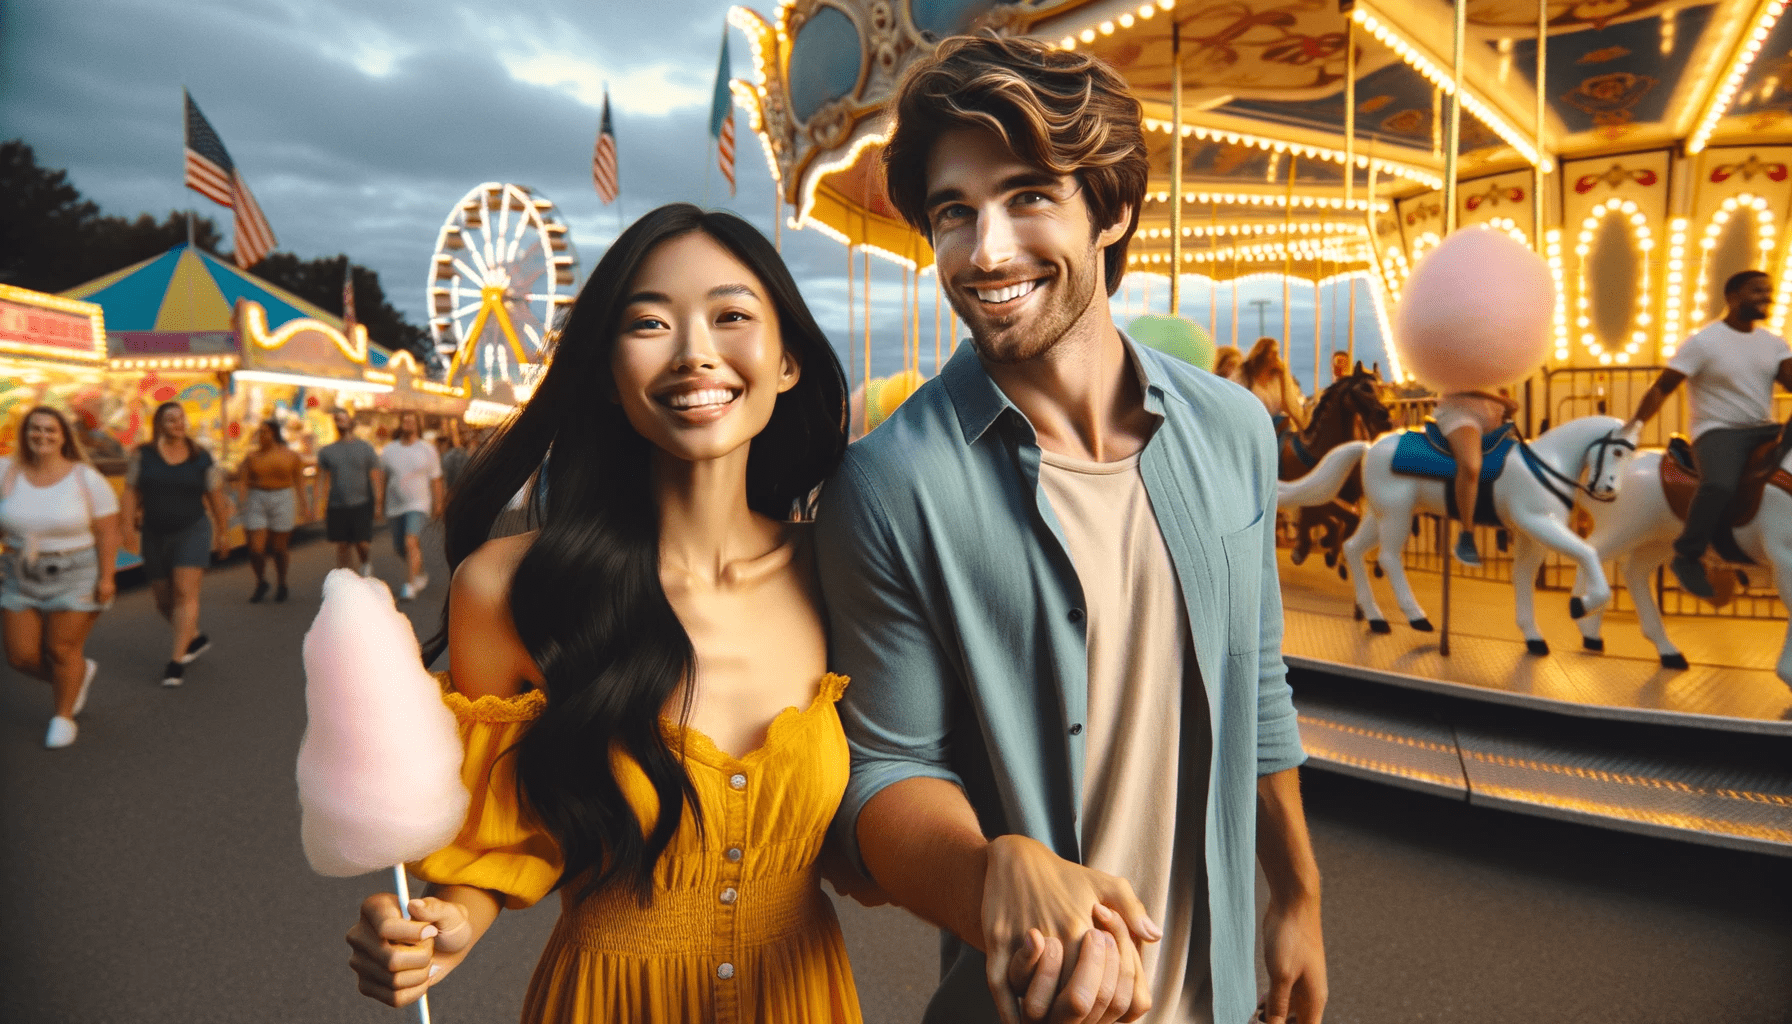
{"x": 738, "y": 930}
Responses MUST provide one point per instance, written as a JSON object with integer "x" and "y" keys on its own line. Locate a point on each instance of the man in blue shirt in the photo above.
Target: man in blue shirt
{"x": 1051, "y": 576}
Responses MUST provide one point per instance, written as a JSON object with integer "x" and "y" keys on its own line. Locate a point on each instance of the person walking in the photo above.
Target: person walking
{"x": 60, "y": 521}
{"x": 1052, "y": 578}
{"x": 413, "y": 497}
{"x": 350, "y": 475}
{"x": 272, "y": 488}
{"x": 174, "y": 499}
{"x": 1732, "y": 365}
{"x": 455, "y": 459}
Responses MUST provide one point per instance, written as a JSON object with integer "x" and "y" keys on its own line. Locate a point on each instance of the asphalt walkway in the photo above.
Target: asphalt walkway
{"x": 152, "y": 873}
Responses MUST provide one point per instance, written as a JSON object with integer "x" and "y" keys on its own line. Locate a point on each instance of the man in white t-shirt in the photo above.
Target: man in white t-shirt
{"x": 413, "y": 496}
{"x": 1731, "y": 365}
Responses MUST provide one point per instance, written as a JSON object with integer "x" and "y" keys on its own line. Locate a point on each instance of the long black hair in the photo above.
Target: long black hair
{"x": 586, "y": 597}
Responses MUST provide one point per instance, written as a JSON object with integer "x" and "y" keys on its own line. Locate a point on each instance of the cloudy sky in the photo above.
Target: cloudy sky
{"x": 360, "y": 124}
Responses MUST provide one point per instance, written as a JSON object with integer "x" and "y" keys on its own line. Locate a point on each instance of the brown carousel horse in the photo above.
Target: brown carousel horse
{"x": 1349, "y": 409}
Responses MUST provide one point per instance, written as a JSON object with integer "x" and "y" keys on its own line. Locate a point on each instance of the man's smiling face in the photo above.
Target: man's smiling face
{"x": 1016, "y": 250}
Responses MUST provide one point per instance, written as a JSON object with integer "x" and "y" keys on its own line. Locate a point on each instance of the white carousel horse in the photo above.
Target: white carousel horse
{"x": 1638, "y": 531}
{"x": 1532, "y": 495}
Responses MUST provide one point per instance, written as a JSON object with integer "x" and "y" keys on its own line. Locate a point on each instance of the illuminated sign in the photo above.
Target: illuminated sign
{"x": 35, "y": 324}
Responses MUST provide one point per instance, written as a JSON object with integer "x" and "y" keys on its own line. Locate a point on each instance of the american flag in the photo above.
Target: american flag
{"x": 603, "y": 158}
{"x": 211, "y": 173}
{"x": 348, "y": 300}
{"x": 721, "y": 117}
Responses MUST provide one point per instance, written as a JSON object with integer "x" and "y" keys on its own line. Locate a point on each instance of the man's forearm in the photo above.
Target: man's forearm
{"x": 922, "y": 845}
{"x": 1283, "y": 844}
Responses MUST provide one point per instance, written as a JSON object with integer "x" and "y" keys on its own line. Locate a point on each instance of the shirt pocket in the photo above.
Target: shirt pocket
{"x": 1244, "y": 587}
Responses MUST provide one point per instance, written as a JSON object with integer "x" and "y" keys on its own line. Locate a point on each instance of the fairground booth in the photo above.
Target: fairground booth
{"x": 1639, "y": 148}
{"x": 52, "y": 352}
{"x": 232, "y": 349}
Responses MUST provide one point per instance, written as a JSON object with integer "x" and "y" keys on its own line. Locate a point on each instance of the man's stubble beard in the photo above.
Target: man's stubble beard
{"x": 1050, "y": 324}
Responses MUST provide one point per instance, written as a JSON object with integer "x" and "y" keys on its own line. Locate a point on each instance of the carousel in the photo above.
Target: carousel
{"x": 1636, "y": 152}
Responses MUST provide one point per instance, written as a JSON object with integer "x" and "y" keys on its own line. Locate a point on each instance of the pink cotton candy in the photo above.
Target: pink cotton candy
{"x": 1476, "y": 313}
{"x": 379, "y": 768}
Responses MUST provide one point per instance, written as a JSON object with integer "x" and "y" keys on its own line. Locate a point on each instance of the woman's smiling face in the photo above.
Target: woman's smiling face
{"x": 699, "y": 361}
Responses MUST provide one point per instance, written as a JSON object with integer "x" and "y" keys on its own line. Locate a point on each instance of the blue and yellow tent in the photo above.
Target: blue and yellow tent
{"x": 187, "y": 290}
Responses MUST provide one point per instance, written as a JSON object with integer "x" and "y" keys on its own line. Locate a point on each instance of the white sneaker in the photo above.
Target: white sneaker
{"x": 367, "y": 569}
{"x": 61, "y": 734}
{"x": 417, "y": 584}
{"x": 93, "y": 668}
{"x": 405, "y": 593}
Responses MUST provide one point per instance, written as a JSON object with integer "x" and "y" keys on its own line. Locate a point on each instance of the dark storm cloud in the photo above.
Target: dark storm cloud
{"x": 359, "y": 125}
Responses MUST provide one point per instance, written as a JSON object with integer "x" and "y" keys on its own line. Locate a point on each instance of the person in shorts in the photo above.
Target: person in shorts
{"x": 60, "y": 521}
{"x": 413, "y": 496}
{"x": 351, "y": 476}
{"x": 272, "y": 482}
{"x": 174, "y": 496}
{"x": 1462, "y": 418}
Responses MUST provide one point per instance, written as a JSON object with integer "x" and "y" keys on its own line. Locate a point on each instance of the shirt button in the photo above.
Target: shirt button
{"x": 729, "y": 895}
{"x": 725, "y": 971}
{"x": 738, "y": 781}
{"x": 1076, "y": 615}
{"x": 1077, "y": 729}
{"x": 734, "y": 854}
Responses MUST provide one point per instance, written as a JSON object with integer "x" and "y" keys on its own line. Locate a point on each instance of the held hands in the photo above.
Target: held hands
{"x": 396, "y": 960}
{"x": 1062, "y": 941}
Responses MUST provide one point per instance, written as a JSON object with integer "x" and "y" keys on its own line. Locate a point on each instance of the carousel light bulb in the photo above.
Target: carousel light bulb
{"x": 1087, "y": 35}
{"x": 1146, "y": 10}
{"x": 1107, "y": 28}
{"x": 1067, "y": 43}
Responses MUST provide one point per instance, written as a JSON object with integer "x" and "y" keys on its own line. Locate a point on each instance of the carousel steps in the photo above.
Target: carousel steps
{"x": 1675, "y": 781}
{"x": 1729, "y": 686}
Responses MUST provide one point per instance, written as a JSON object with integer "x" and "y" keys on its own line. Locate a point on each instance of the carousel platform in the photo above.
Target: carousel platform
{"x": 1613, "y": 739}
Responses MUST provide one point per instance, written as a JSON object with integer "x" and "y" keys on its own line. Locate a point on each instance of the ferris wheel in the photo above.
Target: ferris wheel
{"x": 502, "y": 273}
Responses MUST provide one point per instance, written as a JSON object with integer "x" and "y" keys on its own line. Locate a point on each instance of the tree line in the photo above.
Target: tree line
{"x": 52, "y": 239}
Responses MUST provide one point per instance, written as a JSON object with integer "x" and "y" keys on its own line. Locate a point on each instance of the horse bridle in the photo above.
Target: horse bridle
{"x": 1540, "y": 468}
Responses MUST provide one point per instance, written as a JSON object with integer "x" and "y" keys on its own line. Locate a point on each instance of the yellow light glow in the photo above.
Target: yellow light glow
{"x": 1719, "y": 102}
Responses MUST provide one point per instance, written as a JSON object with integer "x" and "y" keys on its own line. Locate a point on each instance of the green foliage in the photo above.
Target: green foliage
{"x": 52, "y": 239}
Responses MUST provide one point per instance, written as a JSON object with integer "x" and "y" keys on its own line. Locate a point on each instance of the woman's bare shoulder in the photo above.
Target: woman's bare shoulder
{"x": 486, "y": 656}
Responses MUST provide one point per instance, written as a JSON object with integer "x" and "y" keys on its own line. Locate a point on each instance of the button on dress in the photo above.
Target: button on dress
{"x": 738, "y": 929}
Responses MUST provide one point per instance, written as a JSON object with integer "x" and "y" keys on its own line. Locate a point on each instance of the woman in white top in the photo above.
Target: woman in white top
{"x": 1270, "y": 380}
{"x": 60, "y": 522}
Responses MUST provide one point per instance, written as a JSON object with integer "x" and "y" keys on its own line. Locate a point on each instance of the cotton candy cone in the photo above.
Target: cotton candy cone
{"x": 379, "y": 768}
{"x": 1476, "y": 314}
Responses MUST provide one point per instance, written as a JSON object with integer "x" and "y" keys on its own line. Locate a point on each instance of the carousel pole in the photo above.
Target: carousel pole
{"x": 1213, "y": 264}
{"x": 1537, "y": 168}
{"x": 1175, "y": 168}
{"x": 777, "y": 217}
{"x": 1288, "y": 265}
{"x": 1350, "y": 163}
{"x": 851, "y": 349}
{"x": 1467, "y": 515}
{"x": 865, "y": 406}
{"x": 1235, "y": 343}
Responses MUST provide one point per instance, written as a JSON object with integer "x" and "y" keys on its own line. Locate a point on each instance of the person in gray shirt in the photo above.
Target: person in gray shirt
{"x": 351, "y": 476}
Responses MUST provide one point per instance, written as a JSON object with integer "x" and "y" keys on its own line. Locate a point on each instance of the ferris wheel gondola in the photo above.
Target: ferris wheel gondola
{"x": 502, "y": 274}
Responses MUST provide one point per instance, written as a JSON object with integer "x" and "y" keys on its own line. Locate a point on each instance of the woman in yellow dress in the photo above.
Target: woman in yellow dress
{"x": 664, "y": 610}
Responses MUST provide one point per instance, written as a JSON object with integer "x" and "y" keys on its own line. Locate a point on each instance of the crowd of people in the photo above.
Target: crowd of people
{"x": 63, "y": 526}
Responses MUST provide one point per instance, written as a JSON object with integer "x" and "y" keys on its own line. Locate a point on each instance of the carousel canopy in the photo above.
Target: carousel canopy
{"x": 189, "y": 291}
{"x": 1664, "y": 139}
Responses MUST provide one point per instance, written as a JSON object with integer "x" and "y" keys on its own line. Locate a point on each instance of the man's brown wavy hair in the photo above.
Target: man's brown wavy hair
{"x": 1061, "y": 111}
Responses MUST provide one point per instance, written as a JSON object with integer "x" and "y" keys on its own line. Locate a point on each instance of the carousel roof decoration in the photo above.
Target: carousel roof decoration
{"x": 1663, "y": 131}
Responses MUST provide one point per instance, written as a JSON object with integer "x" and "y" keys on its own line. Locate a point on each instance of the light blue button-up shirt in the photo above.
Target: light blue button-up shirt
{"x": 955, "y": 609}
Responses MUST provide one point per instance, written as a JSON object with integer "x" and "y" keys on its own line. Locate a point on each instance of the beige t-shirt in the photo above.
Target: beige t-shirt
{"x": 1148, "y": 741}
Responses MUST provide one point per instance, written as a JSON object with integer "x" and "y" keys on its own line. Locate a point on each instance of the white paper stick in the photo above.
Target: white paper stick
{"x": 404, "y": 903}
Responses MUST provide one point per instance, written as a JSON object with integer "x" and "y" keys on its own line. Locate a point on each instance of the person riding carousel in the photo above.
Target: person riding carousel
{"x": 1732, "y": 365}
{"x": 1463, "y": 417}
{"x": 1270, "y": 380}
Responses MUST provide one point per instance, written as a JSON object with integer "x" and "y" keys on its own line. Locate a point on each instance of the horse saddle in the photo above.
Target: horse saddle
{"x": 1291, "y": 437}
{"x": 1427, "y": 453}
{"x": 1680, "y": 481}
